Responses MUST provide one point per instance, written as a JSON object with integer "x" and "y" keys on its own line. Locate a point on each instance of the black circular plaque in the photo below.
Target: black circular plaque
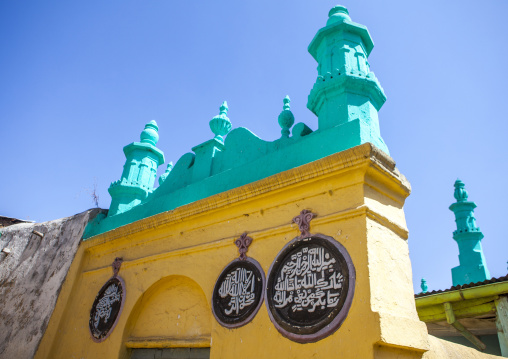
{"x": 238, "y": 293}
{"x": 310, "y": 288}
{"x": 106, "y": 308}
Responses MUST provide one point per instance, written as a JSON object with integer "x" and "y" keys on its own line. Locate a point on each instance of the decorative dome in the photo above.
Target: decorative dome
{"x": 338, "y": 14}
{"x": 460, "y": 193}
{"x": 150, "y": 134}
{"x": 286, "y": 118}
{"x": 221, "y": 125}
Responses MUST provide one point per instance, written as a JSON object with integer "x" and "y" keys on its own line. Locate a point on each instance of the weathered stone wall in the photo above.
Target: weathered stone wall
{"x": 31, "y": 277}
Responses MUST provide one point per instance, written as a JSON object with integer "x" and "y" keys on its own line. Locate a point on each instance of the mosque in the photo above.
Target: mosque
{"x": 295, "y": 248}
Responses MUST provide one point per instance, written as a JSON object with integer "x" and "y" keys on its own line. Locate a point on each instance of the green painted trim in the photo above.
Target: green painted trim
{"x": 460, "y": 295}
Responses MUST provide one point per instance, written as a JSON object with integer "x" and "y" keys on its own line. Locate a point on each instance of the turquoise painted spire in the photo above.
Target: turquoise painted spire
{"x": 286, "y": 118}
{"x": 221, "y": 125}
{"x": 139, "y": 171}
{"x": 424, "y": 286}
{"x": 473, "y": 267}
{"x": 346, "y": 92}
{"x": 207, "y": 153}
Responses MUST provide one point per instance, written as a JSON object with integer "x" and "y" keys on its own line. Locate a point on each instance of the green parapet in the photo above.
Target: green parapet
{"x": 346, "y": 98}
{"x": 473, "y": 267}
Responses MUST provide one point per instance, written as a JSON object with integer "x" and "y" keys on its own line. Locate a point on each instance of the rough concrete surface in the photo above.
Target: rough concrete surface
{"x": 31, "y": 277}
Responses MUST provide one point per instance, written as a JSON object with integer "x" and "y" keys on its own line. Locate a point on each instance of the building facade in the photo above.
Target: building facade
{"x": 295, "y": 248}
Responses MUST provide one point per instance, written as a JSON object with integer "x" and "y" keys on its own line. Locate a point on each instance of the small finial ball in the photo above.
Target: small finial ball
{"x": 460, "y": 192}
{"x": 338, "y": 13}
{"x": 150, "y": 134}
{"x": 424, "y": 286}
{"x": 221, "y": 125}
{"x": 286, "y": 117}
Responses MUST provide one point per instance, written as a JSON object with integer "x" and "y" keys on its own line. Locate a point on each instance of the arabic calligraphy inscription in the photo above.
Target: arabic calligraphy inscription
{"x": 106, "y": 308}
{"x": 238, "y": 293}
{"x": 310, "y": 283}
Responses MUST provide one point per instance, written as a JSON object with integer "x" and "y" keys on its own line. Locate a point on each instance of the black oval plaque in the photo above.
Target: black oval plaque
{"x": 310, "y": 288}
{"x": 106, "y": 308}
{"x": 238, "y": 293}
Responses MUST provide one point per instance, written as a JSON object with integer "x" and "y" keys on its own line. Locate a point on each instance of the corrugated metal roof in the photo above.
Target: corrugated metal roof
{"x": 464, "y": 286}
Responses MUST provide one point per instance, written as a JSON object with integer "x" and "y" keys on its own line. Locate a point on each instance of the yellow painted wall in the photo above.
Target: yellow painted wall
{"x": 172, "y": 260}
{"x": 174, "y": 307}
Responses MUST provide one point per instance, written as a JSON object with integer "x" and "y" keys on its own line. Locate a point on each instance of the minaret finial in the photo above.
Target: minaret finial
{"x": 286, "y": 118}
{"x": 286, "y": 102}
{"x": 224, "y": 108}
{"x": 338, "y": 13}
{"x": 424, "y": 286}
{"x": 150, "y": 134}
{"x": 221, "y": 125}
{"x": 460, "y": 193}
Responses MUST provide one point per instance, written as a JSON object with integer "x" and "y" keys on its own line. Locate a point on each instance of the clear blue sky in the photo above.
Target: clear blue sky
{"x": 79, "y": 79}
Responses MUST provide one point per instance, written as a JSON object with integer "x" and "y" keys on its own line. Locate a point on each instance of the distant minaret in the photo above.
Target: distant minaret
{"x": 424, "y": 286}
{"x": 346, "y": 92}
{"x": 473, "y": 267}
{"x": 139, "y": 171}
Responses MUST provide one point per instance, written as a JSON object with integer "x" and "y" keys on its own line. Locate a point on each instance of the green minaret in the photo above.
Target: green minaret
{"x": 473, "y": 267}
{"x": 139, "y": 171}
{"x": 346, "y": 92}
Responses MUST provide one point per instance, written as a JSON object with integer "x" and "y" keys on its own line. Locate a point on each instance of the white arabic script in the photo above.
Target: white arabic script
{"x": 104, "y": 307}
{"x": 309, "y": 280}
{"x": 239, "y": 285}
